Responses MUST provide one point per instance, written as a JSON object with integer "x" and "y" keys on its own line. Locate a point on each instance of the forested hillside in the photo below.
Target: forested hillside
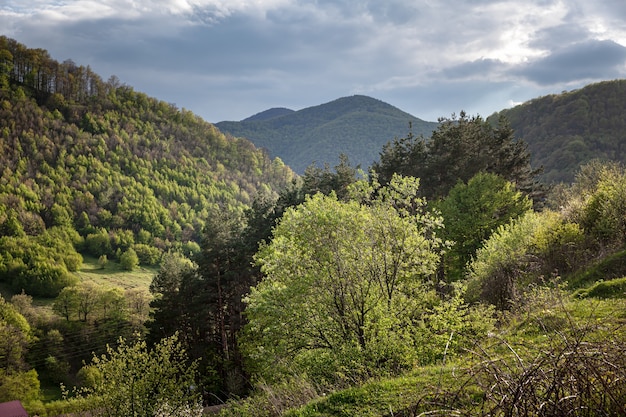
{"x": 356, "y": 126}
{"x": 95, "y": 167}
{"x": 566, "y": 130}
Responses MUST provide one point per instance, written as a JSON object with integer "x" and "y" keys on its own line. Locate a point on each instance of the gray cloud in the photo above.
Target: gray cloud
{"x": 590, "y": 60}
{"x": 226, "y": 59}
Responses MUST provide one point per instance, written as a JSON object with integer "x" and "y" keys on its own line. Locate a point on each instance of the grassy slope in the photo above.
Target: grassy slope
{"x": 114, "y": 275}
{"x": 556, "y": 319}
{"x": 429, "y": 390}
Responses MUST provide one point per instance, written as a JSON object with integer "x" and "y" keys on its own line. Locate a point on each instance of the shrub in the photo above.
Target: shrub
{"x": 148, "y": 255}
{"x": 129, "y": 260}
{"x": 577, "y": 374}
{"x": 526, "y": 251}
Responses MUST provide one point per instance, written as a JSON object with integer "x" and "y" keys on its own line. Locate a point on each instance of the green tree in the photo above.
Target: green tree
{"x": 472, "y": 211}
{"x": 458, "y": 149}
{"x": 132, "y": 380}
{"x": 16, "y": 382}
{"x": 66, "y": 303}
{"x": 344, "y": 280}
{"x": 129, "y": 260}
{"x": 102, "y": 261}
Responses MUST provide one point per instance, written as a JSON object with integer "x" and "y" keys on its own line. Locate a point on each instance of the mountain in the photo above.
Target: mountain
{"x": 357, "y": 126}
{"x": 269, "y": 114}
{"x": 566, "y": 130}
{"x": 103, "y": 168}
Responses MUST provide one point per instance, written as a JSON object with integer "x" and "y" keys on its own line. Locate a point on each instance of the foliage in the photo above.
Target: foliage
{"x": 565, "y": 131}
{"x": 137, "y": 381}
{"x": 39, "y": 265}
{"x": 16, "y": 380}
{"x": 472, "y": 211}
{"x": 95, "y": 167}
{"x": 103, "y": 261}
{"x": 344, "y": 281}
{"x": 205, "y": 304}
{"x": 129, "y": 260}
{"x": 356, "y": 126}
{"x": 603, "y": 212}
{"x": 273, "y": 400}
{"x": 556, "y": 356}
{"x": 88, "y": 302}
{"x": 23, "y": 385}
{"x": 459, "y": 149}
{"x": 521, "y": 253}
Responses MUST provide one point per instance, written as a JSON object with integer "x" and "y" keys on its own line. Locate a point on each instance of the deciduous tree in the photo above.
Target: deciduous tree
{"x": 344, "y": 279}
{"x": 132, "y": 380}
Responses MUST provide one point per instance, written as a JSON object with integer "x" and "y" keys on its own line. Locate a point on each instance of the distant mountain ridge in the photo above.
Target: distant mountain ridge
{"x": 269, "y": 114}
{"x": 357, "y": 126}
{"x": 564, "y": 131}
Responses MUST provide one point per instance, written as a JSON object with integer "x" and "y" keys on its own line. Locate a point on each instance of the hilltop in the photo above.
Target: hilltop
{"x": 357, "y": 126}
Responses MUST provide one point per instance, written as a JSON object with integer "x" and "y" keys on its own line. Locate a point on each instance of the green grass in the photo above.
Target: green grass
{"x": 427, "y": 388}
{"x": 615, "y": 288}
{"x": 113, "y": 275}
{"x": 555, "y": 322}
{"x": 610, "y": 267}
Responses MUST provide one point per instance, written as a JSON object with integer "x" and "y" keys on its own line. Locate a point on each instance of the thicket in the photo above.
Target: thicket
{"x": 567, "y": 243}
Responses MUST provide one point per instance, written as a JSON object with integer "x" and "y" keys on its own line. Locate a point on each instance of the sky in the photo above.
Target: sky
{"x": 230, "y": 59}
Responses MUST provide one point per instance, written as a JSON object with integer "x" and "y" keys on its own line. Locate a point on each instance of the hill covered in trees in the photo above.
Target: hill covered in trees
{"x": 95, "y": 167}
{"x": 357, "y": 126}
{"x": 564, "y": 131}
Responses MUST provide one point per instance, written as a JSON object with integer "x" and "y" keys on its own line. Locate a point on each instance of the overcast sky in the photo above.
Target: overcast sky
{"x": 230, "y": 59}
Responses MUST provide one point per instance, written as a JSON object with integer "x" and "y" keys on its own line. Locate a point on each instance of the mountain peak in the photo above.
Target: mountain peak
{"x": 357, "y": 126}
{"x": 269, "y": 114}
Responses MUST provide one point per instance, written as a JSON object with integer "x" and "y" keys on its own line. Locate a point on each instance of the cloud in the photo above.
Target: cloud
{"x": 587, "y": 60}
{"x": 229, "y": 59}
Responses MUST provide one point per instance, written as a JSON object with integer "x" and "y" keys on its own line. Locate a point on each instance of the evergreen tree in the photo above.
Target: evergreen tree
{"x": 458, "y": 149}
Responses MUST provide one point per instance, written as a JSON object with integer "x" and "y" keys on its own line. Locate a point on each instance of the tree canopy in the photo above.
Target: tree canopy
{"x": 132, "y": 380}
{"x": 345, "y": 281}
{"x": 458, "y": 149}
{"x": 93, "y": 167}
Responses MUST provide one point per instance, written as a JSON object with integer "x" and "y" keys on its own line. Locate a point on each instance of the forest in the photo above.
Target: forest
{"x": 567, "y": 130}
{"x": 447, "y": 279}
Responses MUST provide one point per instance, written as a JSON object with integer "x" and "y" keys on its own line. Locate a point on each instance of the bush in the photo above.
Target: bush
{"x": 98, "y": 243}
{"x": 503, "y": 262}
{"x": 273, "y": 400}
{"x": 148, "y": 255}
{"x": 129, "y": 260}
{"x": 577, "y": 374}
{"x": 524, "y": 252}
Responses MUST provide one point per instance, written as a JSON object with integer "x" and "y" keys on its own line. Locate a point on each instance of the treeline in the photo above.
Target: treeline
{"x": 96, "y": 168}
